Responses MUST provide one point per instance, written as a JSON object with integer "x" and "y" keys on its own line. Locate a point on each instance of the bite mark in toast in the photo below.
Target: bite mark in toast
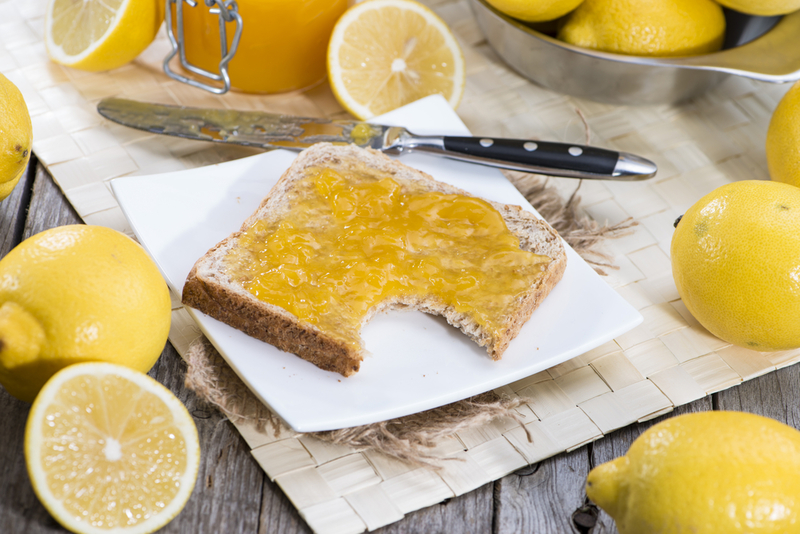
{"x": 211, "y": 289}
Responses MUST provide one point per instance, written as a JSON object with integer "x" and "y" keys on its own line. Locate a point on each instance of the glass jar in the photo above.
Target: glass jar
{"x": 282, "y": 47}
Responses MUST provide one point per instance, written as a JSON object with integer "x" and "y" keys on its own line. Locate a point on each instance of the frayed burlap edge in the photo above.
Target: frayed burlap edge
{"x": 406, "y": 438}
{"x": 583, "y": 234}
{"x": 410, "y": 438}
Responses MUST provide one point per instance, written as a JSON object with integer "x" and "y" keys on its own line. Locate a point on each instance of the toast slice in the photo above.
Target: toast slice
{"x": 214, "y": 285}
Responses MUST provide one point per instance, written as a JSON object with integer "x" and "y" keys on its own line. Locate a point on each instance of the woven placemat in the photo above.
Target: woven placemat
{"x": 667, "y": 361}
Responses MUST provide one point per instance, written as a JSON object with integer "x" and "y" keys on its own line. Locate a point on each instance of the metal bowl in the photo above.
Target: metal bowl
{"x": 761, "y": 48}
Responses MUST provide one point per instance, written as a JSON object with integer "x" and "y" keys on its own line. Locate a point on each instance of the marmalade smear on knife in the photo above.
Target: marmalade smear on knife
{"x": 353, "y": 241}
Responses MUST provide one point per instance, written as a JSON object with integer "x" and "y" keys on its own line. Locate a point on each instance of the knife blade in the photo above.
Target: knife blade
{"x": 269, "y": 130}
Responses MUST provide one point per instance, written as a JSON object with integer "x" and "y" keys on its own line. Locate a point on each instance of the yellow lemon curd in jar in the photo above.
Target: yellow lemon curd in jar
{"x": 351, "y": 242}
{"x": 283, "y": 45}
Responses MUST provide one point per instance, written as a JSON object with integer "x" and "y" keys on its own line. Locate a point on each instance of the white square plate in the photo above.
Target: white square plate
{"x": 418, "y": 361}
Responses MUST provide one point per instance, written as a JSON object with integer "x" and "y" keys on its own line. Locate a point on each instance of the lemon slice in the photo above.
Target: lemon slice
{"x": 109, "y": 449}
{"x": 384, "y": 54}
{"x": 100, "y": 35}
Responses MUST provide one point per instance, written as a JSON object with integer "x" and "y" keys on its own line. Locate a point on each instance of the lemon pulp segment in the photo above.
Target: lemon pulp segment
{"x": 98, "y": 35}
{"x": 87, "y": 23}
{"x": 353, "y": 241}
{"x": 106, "y": 453}
{"x": 384, "y": 54}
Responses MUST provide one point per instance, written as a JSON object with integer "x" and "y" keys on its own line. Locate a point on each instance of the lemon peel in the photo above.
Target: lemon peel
{"x": 539, "y": 11}
{"x": 23, "y": 336}
{"x": 74, "y": 294}
{"x": 783, "y": 139}
{"x": 704, "y": 473}
{"x": 644, "y": 28}
{"x": 735, "y": 260}
{"x": 763, "y": 8}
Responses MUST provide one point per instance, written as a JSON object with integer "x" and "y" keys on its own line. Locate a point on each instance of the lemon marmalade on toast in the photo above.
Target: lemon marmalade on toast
{"x": 353, "y": 241}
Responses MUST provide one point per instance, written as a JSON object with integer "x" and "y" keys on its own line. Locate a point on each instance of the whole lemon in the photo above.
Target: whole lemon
{"x": 645, "y": 27}
{"x": 535, "y": 10}
{"x": 762, "y": 8}
{"x": 783, "y": 139}
{"x": 704, "y": 473}
{"x": 77, "y": 294}
{"x": 15, "y": 136}
{"x": 736, "y": 263}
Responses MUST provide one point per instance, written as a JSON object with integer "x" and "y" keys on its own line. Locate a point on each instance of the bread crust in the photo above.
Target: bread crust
{"x": 209, "y": 289}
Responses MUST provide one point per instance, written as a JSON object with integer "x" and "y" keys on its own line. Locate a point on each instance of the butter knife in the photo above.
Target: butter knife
{"x": 268, "y": 130}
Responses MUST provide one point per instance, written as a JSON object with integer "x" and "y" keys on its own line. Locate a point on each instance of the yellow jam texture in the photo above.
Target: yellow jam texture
{"x": 351, "y": 242}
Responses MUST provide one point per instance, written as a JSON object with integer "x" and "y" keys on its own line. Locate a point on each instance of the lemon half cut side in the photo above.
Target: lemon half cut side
{"x": 97, "y": 35}
{"x": 384, "y": 54}
{"x": 109, "y": 449}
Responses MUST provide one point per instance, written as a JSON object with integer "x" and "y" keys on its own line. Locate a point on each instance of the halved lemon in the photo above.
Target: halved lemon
{"x": 109, "y": 449}
{"x": 384, "y": 54}
{"x": 98, "y": 35}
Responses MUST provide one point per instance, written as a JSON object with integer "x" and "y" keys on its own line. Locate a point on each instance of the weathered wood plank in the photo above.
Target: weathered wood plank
{"x": 465, "y": 514}
{"x": 542, "y": 497}
{"x": 773, "y": 395}
{"x": 13, "y": 209}
{"x": 20, "y": 510}
{"x": 227, "y": 497}
{"x": 278, "y": 514}
{"x": 48, "y": 206}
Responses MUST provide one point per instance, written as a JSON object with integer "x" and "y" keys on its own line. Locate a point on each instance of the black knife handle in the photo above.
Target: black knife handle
{"x": 538, "y": 153}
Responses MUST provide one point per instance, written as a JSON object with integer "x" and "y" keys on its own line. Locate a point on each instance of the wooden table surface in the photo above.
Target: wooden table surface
{"x": 233, "y": 495}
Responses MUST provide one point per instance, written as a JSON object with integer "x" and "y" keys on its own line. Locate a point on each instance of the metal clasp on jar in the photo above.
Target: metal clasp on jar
{"x": 227, "y": 11}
